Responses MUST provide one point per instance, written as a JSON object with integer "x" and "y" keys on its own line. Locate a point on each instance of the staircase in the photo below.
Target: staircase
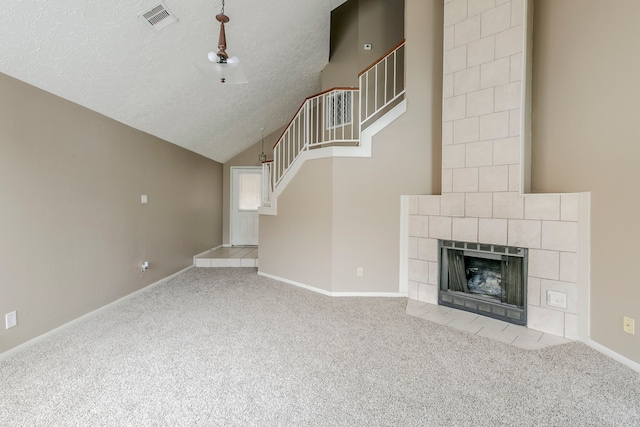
{"x": 339, "y": 122}
{"x": 336, "y": 123}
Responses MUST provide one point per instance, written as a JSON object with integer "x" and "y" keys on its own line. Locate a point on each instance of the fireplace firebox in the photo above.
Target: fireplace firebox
{"x": 485, "y": 279}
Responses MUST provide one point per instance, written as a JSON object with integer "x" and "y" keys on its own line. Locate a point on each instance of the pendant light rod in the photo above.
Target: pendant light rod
{"x": 222, "y": 38}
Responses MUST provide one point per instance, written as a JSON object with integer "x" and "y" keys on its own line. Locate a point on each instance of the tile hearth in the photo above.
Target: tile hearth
{"x": 519, "y": 336}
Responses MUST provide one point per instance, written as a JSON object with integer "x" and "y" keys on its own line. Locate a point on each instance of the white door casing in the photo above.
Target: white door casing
{"x": 246, "y": 186}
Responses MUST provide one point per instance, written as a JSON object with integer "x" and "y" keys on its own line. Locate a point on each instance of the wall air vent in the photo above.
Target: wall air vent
{"x": 159, "y": 17}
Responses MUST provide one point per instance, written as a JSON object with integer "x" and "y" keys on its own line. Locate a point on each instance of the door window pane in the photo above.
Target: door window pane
{"x": 249, "y": 189}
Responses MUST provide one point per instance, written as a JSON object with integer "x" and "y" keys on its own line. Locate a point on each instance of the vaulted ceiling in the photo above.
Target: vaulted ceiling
{"x": 106, "y": 57}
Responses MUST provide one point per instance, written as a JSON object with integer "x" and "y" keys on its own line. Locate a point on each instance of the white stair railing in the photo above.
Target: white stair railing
{"x": 382, "y": 84}
{"x": 327, "y": 119}
{"x": 336, "y": 117}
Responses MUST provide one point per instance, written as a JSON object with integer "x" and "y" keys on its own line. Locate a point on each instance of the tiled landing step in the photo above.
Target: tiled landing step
{"x": 519, "y": 336}
{"x": 236, "y": 256}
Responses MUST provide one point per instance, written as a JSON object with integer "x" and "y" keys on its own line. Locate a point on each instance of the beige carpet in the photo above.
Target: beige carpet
{"x": 226, "y": 347}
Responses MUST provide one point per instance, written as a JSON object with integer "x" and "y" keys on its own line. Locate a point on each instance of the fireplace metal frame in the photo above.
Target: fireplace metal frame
{"x": 479, "y": 304}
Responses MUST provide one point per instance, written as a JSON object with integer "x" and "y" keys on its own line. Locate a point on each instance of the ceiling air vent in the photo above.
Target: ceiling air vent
{"x": 159, "y": 17}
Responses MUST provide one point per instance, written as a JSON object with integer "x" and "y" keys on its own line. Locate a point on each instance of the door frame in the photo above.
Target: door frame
{"x": 232, "y": 218}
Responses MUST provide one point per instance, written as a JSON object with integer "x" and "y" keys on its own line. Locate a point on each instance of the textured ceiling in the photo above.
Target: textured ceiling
{"x": 104, "y": 56}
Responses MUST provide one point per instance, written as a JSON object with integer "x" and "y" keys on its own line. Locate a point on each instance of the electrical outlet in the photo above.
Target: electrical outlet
{"x": 145, "y": 266}
{"x": 10, "y": 320}
{"x": 556, "y": 299}
{"x": 360, "y": 272}
{"x": 628, "y": 325}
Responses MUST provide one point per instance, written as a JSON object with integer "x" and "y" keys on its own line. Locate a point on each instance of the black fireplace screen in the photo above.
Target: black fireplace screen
{"x": 486, "y": 279}
{"x": 498, "y": 279}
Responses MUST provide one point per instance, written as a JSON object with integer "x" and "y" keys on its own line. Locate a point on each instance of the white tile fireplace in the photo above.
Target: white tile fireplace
{"x": 485, "y": 173}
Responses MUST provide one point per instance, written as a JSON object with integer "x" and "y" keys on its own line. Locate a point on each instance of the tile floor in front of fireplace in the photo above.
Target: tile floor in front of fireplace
{"x": 519, "y": 336}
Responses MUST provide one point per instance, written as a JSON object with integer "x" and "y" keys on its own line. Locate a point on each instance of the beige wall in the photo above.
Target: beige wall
{"x": 248, "y": 157}
{"x": 406, "y": 160}
{"x": 356, "y": 22}
{"x": 585, "y": 138}
{"x": 380, "y": 23}
{"x": 355, "y": 202}
{"x": 342, "y": 70}
{"x": 74, "y": 233}
{"x": 296, "y": 243}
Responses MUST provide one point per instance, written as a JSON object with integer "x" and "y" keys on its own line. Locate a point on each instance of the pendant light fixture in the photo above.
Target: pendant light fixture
{"x": 219, "y": 66}
{"x": 262, "y": 157}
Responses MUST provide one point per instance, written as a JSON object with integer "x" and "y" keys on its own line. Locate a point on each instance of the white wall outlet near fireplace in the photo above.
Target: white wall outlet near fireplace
{"x": 556, "y": 299}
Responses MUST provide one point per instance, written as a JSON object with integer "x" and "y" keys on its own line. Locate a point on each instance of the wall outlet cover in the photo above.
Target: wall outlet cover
{"x": 628, "y": 325}
{"x": 556, "y": 299}
{"x": 11, "y": 319}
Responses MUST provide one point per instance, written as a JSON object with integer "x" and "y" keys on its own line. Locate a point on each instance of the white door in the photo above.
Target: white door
{"x": 246, "y": 186}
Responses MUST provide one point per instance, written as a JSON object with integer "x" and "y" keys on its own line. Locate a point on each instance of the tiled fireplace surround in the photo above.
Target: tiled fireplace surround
{"x": 483, "y": 165}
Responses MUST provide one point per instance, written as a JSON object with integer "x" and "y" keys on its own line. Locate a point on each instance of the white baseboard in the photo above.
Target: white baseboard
{"x": 334, "y": 294}
{"x": 370, "y": 294}
{"x": 9, "y": 353}
{"x": 612, "y": 354}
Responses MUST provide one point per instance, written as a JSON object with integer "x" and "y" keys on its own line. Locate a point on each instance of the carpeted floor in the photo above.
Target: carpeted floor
{"x": 226, "y": 347}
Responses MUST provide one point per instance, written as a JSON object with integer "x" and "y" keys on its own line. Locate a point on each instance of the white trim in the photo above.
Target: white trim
{"x": 272, "y": 209}
{"x": 333, "y": 294}
{"x": 403, "y": 279}
{"x": 526, "y": 99}
{"x": 362, "y": 150}
{"x": 370, "y": 294}
{"x": 584, "y": 266}
{"x": 612, "y": 354}
{"x": 20, "y": 348}
{"x": 366, "y": 136}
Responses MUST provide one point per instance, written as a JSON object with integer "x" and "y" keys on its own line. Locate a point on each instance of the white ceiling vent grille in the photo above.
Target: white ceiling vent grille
{"x": 159, "y": 17}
